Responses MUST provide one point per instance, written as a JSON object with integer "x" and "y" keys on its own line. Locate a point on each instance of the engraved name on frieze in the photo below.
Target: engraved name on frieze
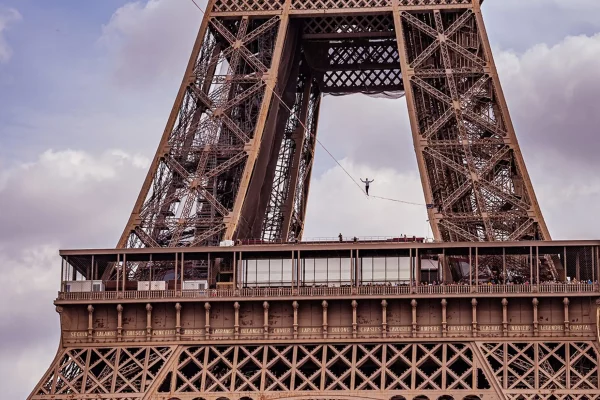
{"x": 134, "y": 333}
{"x": 369, "y": 329}
{"x": 78, "y": 334}
{"x": 551, "y": 327}
{"x": 459, "y": 328}
{"x": 399, "y": 329}
{"x": 222, "y": 331}
{"x": 520, "y": 328}
{"x": 490, "y": 328}
{"x": 193, "y": 331}
{"x": 282, "y": 330}
{"x": 433, "y": 328}
{"x": 105, "y": 334}
{"x": 340, "y": 329}
{"x": 581, "y": 327}
{"x": 165, "y": 332}
{"x": 251, "y": 331}
{"x": 311, "y": 330}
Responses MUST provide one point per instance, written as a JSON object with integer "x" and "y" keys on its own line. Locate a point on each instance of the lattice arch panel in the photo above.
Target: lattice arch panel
{"x": 380, "y": 24}
{"x": 99, "y": 372}
{"x": 340, "y": 4}
{"x": 247, "y": 5}
{"x": 331, "y": 368}
{"x": 561, "y": 369}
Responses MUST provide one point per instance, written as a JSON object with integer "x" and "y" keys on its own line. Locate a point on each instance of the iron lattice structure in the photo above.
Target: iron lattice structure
{"x": 363, "y": 371}
{"x": 235, "y": 159}
{"x": 235, "y": 162}
{"x": 366, "y": 334}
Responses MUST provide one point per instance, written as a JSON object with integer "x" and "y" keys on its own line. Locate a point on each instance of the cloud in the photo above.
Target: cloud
{"x": 348, "y": 211}
{"x": 539, "y": 21}
{"x": 64, "y": 199}
{"x": 552, "y": 95}
{"x": 114, "y": 88}
{"x": 568, "y": 194}
{"x": 70, "y": 195}
{"x": 150, "y": 40}
{"x": 8, "y": 16}
{"x": 29, "y": 327}
{"x": 369, "y": 131}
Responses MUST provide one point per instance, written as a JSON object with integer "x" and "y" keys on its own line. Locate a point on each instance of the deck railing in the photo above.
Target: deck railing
{"x": 320, "y": 291}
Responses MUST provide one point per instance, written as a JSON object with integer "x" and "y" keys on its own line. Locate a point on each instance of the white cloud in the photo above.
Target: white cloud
{"x": 28, "y": 324}
{"x": 151, "y": 40}
{"x": 336, "y": 205}
{"x": 8, "y": 16}
{"x": 71, "y": 196}
{"x": 539, "y": 21}
{"x": 63, "y": 199}
{"x": 552, "y": 95}
{"x": 369, "y": 131}
{"x": 118, "y": 93}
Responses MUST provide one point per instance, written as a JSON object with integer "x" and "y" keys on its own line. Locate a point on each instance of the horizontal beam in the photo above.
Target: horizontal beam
{"x": 425, "y": 338}
{"x": 331, "y": 246}
{"x": 299, "y": 13}
{"x": 217, "y": 295}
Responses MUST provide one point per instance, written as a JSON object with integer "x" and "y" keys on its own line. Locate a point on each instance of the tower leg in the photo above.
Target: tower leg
{"x": 474, "y": 178}
{"x": 202, "y": 173}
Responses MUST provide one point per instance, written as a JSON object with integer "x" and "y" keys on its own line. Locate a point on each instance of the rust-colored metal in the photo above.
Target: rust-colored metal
{"x": 492, "y": 310}
{"x": 236, "y": 156}
{"x": 353, "y": 328}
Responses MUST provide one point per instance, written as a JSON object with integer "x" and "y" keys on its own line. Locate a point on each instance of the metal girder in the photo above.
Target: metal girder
{"x": 217, "y": 161}
{"x": 467, "y": 152}
{"x": 196, "y": 172}
{"x": 226, "y": 159}
{"x": 554, "y": 369}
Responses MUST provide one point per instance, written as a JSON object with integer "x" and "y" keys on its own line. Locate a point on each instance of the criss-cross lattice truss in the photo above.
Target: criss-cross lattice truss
{"x": 518, "y": 370}
{"x": 236, "y": 156}
{"x": 235, "y": 163}
{"x": 197, "y": 172}
{"x": 471, "y": 160}
{"x": 562, "y": 369}
{"x": 112, "y": 372}
{"x": 329, "y": 368}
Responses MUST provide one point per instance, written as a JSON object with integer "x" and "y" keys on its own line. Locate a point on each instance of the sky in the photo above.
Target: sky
{"x": 86, "y": 88}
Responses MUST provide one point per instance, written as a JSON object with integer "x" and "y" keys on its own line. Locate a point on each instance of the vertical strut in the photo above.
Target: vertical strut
{"x": 271, "y": 80}
{"x": 535, "y": 207}
{"x": 407, "y": 73}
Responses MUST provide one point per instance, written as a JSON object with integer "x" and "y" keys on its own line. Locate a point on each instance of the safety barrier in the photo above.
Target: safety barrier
{"x": 321, "y": 291}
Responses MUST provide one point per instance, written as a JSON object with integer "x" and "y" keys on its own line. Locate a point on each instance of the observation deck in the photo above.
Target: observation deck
{"x": 358, "y": 289}
{"x": 332, "y": 269}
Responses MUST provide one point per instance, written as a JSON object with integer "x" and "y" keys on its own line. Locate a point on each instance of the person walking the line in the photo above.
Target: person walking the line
{"x": 367, "y": 182}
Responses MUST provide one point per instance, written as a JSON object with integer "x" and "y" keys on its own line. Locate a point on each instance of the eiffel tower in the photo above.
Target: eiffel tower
{"x": 211, "y": 293}
{"x": 236, "y": 156}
